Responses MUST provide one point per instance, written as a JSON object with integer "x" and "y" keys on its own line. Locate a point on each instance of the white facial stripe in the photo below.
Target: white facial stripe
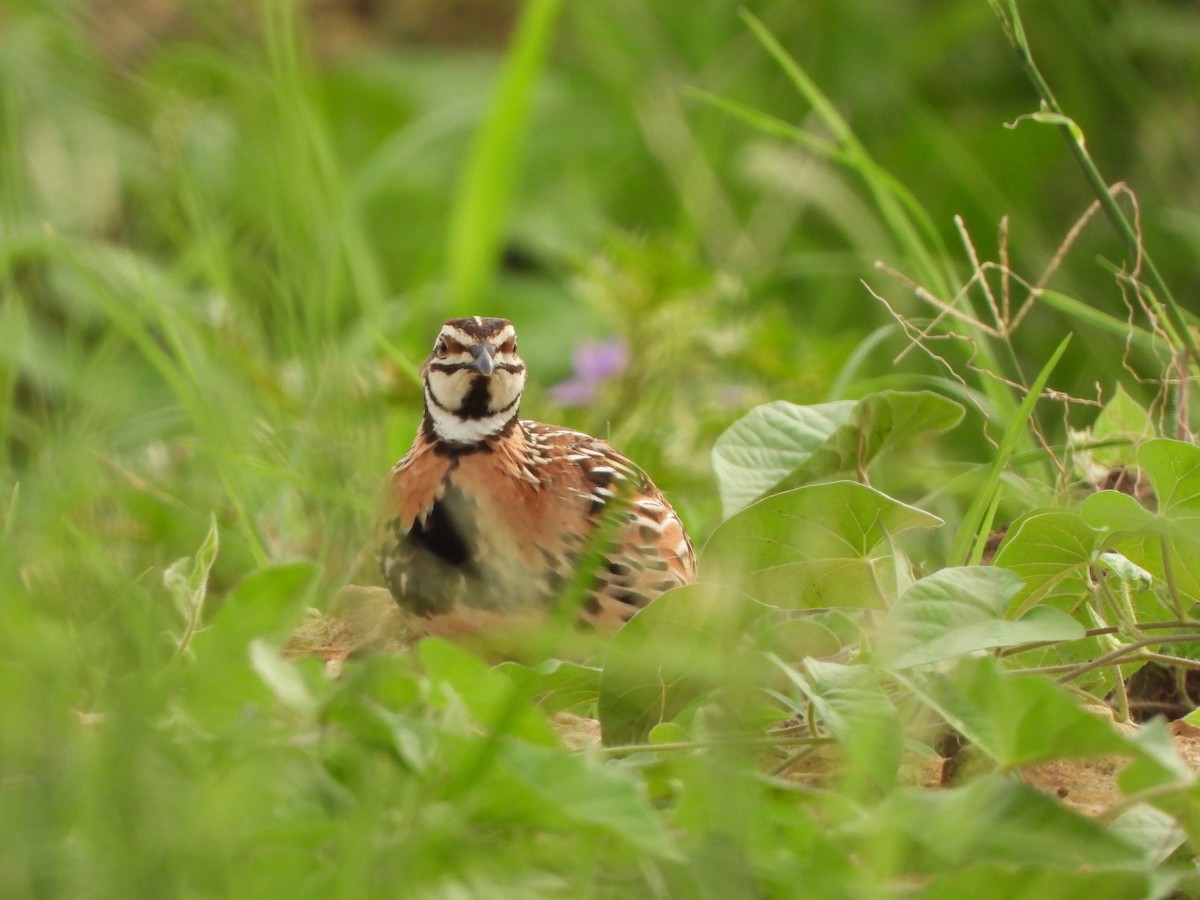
{"x": 446, "y": 389}
{"x": 456, "y": 430}
{"x": 506, "y": 389}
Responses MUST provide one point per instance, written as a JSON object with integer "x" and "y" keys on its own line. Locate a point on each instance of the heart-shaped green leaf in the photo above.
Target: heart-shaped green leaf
{"x": 1051, "y": 550}
{"x": 810, "y": 547}
{"x": 1017, "y": 719}
{"x": 1142, "y": 535}
{"x": 555, "y": 684}
{"x": 492, "y": 699}
{"x": 994, "y": 820}
{"x": 559, "y": 790}
{"x": 1123, "y": 419}
{"x": 958, "y": 611}
{"x": 675, "y": 651}
{"x": 782, "y": 445}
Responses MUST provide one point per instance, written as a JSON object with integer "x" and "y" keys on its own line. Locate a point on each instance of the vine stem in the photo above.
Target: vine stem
{"x": 747, "y": 741}
{"x": 1169, "y": 573}
{"x": 1110, "y": 658}
{"x": 1098, "y": 632}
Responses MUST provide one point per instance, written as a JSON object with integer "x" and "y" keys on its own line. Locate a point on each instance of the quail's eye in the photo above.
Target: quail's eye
{"x": 440, "y": 350}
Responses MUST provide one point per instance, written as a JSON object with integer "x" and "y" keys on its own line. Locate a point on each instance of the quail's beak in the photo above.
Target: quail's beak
{"x": 484, "y": 362}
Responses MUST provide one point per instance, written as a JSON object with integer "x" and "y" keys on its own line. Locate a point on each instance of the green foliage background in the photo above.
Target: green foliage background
{"x": 226, "y": 241}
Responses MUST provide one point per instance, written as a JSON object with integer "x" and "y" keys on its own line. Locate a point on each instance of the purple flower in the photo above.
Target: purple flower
{"x": 600, "y": 360}
{"x": 594, "y": 362}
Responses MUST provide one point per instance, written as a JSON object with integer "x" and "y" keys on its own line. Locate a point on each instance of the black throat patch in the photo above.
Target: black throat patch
{"x": 475, "y": 404}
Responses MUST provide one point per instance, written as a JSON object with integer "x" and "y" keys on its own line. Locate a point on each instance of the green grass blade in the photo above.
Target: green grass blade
{"x": 1138, "y": 337}
{"x": 974, "y": 523}
{"x": 169, "y": 354}
{"x": 487, "y": 184}
{"x": 1129, "y": 232}
{"x": 919, "y": 239}
{"x": 909, "y": 224}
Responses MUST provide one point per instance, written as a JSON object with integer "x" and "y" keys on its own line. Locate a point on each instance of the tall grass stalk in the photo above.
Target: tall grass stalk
{"x": 481, "y": 207}
{"x": 911, "y": 228}
{"x": 976, "y": 522}
{"x": 1014, "y": 30}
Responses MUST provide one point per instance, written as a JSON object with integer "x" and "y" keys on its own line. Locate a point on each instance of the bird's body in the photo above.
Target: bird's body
{"x": 491, "y": 516}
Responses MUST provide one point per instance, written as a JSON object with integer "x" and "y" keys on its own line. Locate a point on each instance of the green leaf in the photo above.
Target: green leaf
{"x": 1003, "y": 881}
{"x": 793, "y": 640}
{"x": 282, "y": 677}
{"x": 771, "y": 441}
{"x": 961, "y": 610}
{"x": 372, "y": 704}
{"x": 853, "y": 706}
{"x": 781, "y": 445}
{"x": 265, "y": 603}
{"x": 1173, "y": 468}
{"x": 840, "y": 519}
{"x": 1168, "y": 781}
{"x": 992, "y": 820}
{"x": 490, "y": 697}
{"x": 667, "y": 733}
{"x": 186, "y": 580}
{"x": 555, "y": 684}
{"x": 1058, "y": 554}
{"x": 1017, "y": 719}
{"x": 822, "y": 583}
{"x": 565, "y": 791}
{"x": 1051, "y": 550}
{"x": 1113, "y": 511}
{"x": 675, "y": 651}
{"x": 1183, "y": 805}
{"x": 222, "y": 683}
{"x": 812, "y": 547}
{"x": 1137, "y": 577}
{"x": 1122, "y": 419}
{"x": 1156, "y": 832}
{"x": 1157, "y": 763}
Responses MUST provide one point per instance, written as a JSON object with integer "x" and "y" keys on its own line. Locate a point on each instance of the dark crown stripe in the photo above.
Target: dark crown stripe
{"x": 478, "y": 328}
